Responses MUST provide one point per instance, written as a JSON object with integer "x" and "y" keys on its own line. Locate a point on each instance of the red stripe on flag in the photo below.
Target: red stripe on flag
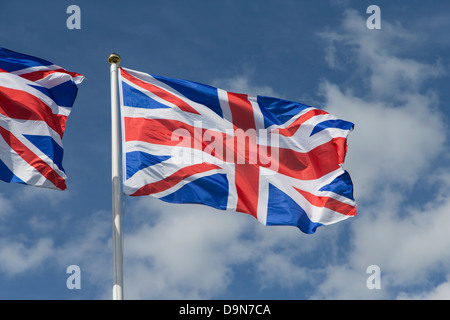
{"x": 293, "y": 127}
{"x": 247, "y": 187}
{"x": 159, "y": 131}
{"x": 32, "y": 159}
{"x": 246, "y": 174}
{"x": 313, "y": 164}
{"x": 174, "y": 178}
{"x": 61, "y": 120}
{"x": 310, "y": 165}
{"x": 173, "y": 133}
{"x": 40, "y": 74}
{"x": 22, "y": 105}
{"x": 327, "y": 202}
{"x": 241, "y": 111}
{"x": 163, "y": 94}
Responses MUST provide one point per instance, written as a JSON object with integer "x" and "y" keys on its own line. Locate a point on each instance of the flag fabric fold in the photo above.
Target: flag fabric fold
{"x": 279, "y": 161}
{"x": 36, "y": 98}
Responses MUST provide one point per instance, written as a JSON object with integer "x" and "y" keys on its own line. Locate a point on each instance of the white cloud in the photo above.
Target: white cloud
{"x": 408, "y": 248}
{"x": 391, "y": 144}
{"x": 16, "y": 257}
{"x": 344, "y": 282}
{"x": 399, "y": 130}
{"x": 186, "y": 253}
{"x": 399, "y": 136}
{"x": 441, "y": 292}
{"x": 381, "y": 56}
{"x": 194, "y": 252}
{"x": 88, "y": 245}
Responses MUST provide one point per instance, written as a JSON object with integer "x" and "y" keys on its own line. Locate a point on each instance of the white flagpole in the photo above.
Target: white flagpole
{"x": 114, "y": 60}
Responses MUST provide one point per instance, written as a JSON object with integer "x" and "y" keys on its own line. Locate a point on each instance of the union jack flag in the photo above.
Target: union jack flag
{"x": 36, "y": 97}
{"x": 279, "y": 161}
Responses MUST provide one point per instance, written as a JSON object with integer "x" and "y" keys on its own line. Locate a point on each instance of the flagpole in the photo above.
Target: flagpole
{"x": 114, "y": 60}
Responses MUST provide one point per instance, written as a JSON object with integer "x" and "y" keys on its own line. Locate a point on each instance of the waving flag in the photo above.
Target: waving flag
{"x": 277, "y": 160}
{"x": 36, "y": 97}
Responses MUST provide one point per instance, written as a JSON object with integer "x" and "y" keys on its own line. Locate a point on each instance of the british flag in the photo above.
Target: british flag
{"x": 279, "y": 161}
{"x": 36, "y": 97}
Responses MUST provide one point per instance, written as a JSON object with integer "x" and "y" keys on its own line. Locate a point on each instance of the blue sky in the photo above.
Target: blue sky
{"x": 392, "y": 83}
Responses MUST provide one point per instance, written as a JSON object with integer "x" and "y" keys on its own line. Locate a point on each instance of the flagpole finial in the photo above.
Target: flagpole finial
{"x": 114, "y": 58}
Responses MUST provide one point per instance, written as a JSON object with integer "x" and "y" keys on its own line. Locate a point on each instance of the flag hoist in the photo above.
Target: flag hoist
{"x": 114, "y": 60}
